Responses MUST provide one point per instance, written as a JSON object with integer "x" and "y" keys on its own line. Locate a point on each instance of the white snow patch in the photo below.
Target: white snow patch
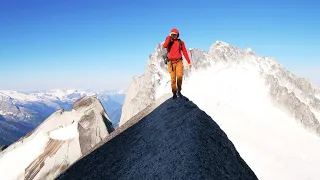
{"x": 13, "y": 164}
{"x": 65, "y": 133}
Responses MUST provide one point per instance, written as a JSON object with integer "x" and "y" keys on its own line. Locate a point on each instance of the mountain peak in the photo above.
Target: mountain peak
{"x": 84, "y": 102}
{"x": 219, "y": 47}
{"x": 248, "y": 49}
{"x": 220, "y": 43}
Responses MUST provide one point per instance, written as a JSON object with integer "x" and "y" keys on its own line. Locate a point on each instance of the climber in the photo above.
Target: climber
{"x": 175, "y": 64}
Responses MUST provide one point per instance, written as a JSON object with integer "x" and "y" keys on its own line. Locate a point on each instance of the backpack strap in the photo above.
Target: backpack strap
{"x": 171, "y": 43}
{"x": 180, "y": 43}
{"x": 180, "y": 46}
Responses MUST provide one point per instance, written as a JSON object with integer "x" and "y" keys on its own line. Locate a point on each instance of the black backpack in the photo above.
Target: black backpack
{"x": 168, "y": 50}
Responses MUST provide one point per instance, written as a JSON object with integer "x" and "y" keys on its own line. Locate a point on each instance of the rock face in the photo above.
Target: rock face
{"x": 56, "y": 143}
{"x": 176, "y": 140}
{"x": 298, "y": 97}
{"x": 142, "y": 90}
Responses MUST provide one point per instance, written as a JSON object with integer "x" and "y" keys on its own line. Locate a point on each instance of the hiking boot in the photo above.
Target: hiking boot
{"x": 179, "y": 94}
{"x": 174, "y": 96}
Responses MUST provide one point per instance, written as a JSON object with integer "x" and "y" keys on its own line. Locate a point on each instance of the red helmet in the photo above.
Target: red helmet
{"x": 174, "y": 31}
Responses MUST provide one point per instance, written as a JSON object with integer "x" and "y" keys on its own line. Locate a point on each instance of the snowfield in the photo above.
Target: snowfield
{"x": 269, "y": 140}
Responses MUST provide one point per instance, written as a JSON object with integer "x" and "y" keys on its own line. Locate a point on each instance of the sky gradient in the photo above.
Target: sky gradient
{"x": 103, "y": 44}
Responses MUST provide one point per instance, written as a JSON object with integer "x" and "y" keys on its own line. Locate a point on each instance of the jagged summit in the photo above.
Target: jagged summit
{"x": 176, "y": 140}
{"x": 221, "y": 44}
{"x": 221, "y": 57}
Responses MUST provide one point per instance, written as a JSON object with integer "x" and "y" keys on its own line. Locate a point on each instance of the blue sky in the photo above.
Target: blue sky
{"x": 103, "y": 44}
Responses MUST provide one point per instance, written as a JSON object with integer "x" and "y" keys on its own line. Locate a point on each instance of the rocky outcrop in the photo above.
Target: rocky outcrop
{"x": 292, "y": 105}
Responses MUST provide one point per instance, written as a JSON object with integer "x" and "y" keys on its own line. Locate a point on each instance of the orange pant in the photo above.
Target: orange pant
{"x": 176, "y": 75}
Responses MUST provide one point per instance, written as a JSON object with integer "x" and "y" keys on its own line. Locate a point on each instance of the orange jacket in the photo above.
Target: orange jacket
{"x": 175, "y": 52}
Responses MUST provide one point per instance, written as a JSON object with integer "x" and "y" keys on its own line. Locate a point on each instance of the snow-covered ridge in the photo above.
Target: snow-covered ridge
{"x": 221, "y": 56}
{"x": 58, "y": 142}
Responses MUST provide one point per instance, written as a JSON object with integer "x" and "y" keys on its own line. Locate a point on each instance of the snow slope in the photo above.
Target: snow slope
{"x": 268, "y": 139}
{"x": 271, "y": 115}
{"x": 58, "y": 142}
